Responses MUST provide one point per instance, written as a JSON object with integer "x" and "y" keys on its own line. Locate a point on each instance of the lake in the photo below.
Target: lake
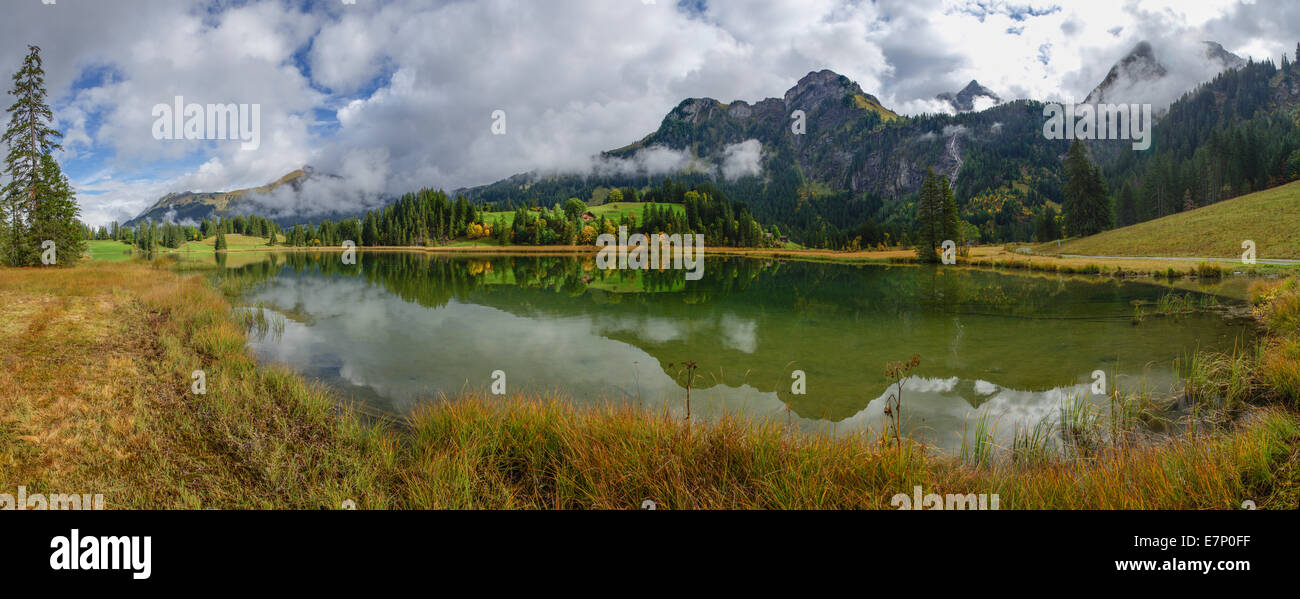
{"x": 396, "y": 329}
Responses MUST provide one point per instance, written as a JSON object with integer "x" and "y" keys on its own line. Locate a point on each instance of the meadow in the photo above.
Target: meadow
{"x": 1270, "y": 218}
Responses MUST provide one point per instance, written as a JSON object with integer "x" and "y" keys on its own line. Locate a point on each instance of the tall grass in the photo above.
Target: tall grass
{"x": 979, "y": 449}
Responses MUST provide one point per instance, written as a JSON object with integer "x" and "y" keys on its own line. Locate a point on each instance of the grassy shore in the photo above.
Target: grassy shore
{"x": 96, "y": 396}
{"x": 1268, "y": 218}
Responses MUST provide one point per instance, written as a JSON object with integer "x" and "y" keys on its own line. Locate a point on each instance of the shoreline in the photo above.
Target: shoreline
{"x": 980, "y": 256}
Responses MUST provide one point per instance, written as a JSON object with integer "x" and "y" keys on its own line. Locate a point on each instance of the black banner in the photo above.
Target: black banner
{"x": 317, "y": 548}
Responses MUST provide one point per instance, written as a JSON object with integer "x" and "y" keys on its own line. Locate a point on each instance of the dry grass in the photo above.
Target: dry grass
{"x": 95, "y": 398}
{"x": 544, "y": 454}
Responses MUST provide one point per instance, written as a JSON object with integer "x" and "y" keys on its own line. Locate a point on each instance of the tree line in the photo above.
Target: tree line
{"x": 430, "y": 218}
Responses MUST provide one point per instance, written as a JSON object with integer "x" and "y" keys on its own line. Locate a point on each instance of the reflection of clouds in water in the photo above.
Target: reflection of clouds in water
{"x": 920, "y": 385}
{"x": 654, "y": 328}
{"x": 936, "y": 412}
{"x": 985, "y": 387}
{"x": 733, "y": 332}
{"x": 403, "y": 352}
{"x": 739, "y": 334}
{"x": 1027, "y": 408}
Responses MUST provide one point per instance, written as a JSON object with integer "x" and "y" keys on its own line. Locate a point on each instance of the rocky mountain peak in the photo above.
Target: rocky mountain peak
{"x": 965, "y": 100}
{"x": 819, "y": 86}
{"x": 1141, "y": 68}
{"x": 1215, "y": 52}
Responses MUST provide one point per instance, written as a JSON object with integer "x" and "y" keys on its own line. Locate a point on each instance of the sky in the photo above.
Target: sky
{"x": 395, "y": 95}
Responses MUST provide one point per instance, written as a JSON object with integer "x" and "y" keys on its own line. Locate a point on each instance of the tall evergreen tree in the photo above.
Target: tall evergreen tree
{"x": 1087, "y": 209}
{"x": 930, "y": 217}
{"x": 54, "y": 217}
{"x": 30, "y": 137}
{"x": 1126, "y": 208}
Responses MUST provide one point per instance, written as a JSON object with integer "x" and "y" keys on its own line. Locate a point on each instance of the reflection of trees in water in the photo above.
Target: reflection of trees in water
{"x": 904, "y": 292}
{"x": 433, "y": 280}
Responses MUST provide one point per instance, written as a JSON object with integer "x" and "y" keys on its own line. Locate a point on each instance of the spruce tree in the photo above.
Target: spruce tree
{"x": 1087, "y": 209}
{"x": 29, "y": 137}
{"x": 930, "y": 218}
{"x": 54, "y": 217}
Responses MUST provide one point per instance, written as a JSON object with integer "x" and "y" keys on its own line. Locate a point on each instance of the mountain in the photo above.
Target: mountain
{"x": 1140, "y": 76}
{"x": 191, "y": 206}
{"x": 965, "y": 100}
{"x": 1233, "y": 135}
{"x": 1215, "y": 53}
{"x": 856, "y": 162}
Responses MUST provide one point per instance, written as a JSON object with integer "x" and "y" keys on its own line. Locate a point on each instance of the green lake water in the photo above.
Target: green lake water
{"x": 400, "y": 328}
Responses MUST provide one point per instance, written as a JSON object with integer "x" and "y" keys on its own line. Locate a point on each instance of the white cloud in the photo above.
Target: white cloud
{"x": 742, "y": 159}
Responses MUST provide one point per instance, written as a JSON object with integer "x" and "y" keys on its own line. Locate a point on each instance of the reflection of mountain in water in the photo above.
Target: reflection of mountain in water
{"x": 749, "y": 323}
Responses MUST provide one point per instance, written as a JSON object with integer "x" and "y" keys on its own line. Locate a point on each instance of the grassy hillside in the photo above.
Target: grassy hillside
{"x": 116, "y": 251}
{"x": 1270, "y": 218}
{"x": 233, "y": 242}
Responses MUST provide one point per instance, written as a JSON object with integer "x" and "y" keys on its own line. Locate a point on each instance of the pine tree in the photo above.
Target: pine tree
{"x": 1126, "y": 209}
{"x": 1087, "y": 209}
{"x": 930, "y": 218}
{"x": 30, "y": 136}
{"x": 55, "y": 215}
{"x": 1045, "y": 228}
{"x": 221, "y": 242}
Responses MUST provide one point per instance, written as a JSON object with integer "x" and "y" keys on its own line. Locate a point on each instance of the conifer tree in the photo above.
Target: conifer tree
{"x": 1087, "y": 209}
{"x": 30, "y": 137}
{"x": 930, "y": 218}
{"x": 54, "y": 217}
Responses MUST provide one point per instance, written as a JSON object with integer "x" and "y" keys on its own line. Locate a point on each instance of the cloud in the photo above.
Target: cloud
{"x": 358, "y": 181}
{"x": 654, "y": 160}
{"x": 742, "y": 159}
